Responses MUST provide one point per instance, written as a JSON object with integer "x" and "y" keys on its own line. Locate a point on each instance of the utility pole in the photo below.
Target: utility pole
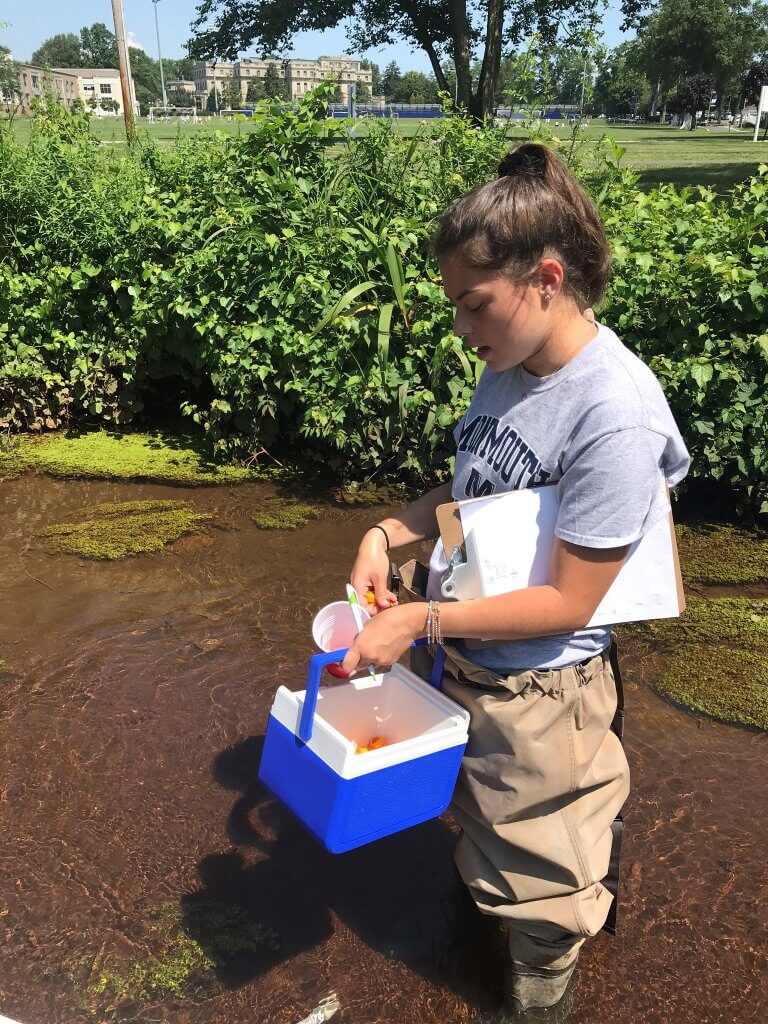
{"x": 160, "y": 56}
{"x": 124, "y": 61}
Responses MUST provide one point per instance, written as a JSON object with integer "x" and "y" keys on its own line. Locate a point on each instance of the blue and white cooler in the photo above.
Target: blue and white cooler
{"x": 347, "y": 799}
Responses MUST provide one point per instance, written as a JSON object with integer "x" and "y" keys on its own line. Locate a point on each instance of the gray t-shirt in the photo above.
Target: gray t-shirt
{"x": 601, "y": 430}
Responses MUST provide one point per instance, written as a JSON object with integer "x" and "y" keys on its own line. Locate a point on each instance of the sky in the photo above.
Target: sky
{"x": 30, "y": 23}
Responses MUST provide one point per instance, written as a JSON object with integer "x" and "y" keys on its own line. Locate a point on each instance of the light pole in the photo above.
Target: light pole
{"x": 159, "y": 56}
{"x": 583, "y": 81}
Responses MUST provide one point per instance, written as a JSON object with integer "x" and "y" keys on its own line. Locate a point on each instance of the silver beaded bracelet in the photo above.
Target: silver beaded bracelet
{"x": 433, "y": 629}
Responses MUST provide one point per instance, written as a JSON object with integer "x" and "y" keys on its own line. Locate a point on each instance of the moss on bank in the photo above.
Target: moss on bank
{"x": 284, "y": 514}
{"x": 112, "y": 456}
{"x": 370, "y": 494}
{"x": 120, "y": 530}
{"x": 192, "y": 941}
{"x": 724, "y": 682}
{"x": 11, "y": 466}
{"x": 716, "y": 554}
{"x": 733, "y": 621}
{"x": 716, "y": 658}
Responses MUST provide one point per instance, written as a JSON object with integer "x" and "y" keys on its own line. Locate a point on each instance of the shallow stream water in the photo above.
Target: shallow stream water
{"x": 131, "y": 717}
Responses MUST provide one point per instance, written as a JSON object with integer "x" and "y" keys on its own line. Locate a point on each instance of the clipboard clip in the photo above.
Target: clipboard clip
{"x": 450, "y": 580}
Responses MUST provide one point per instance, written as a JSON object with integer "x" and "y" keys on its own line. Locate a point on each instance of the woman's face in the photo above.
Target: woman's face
{"x": 506, "y": 323}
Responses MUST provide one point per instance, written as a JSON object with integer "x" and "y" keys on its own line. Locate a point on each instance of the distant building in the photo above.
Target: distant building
{"x": 181, "y": 85}
{"x": 32, "y": 85}
{"x": 205, "y": 73}
{"x": 98, "y": 88}
{"x": 302, "y": 76}
{"x": 298, "y": 76}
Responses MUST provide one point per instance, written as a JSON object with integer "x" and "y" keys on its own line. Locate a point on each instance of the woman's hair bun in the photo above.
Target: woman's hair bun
{"x": 526, "y": 161}
{"x": 535, "y": 208}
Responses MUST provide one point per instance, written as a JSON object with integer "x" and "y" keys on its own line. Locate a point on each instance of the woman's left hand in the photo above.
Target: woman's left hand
{"x": 386, "y": 636}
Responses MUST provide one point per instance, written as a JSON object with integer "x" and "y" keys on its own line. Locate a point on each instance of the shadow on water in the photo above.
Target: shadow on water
{"x": 401, "y": 896}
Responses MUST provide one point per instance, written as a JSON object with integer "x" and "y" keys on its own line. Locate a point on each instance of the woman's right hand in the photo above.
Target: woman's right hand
{"x": 370, "y": 572}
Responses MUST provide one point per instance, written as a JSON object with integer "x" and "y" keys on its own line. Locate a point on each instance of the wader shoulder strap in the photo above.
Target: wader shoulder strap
{"x": 618, "y": 719}
{"x": 611, "y": 880}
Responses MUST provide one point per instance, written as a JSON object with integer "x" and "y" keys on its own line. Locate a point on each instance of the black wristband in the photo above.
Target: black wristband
{"x": 386, "y": 535}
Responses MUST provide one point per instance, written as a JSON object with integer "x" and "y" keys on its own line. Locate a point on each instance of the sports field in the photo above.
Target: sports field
{"x": 715, "y": 156}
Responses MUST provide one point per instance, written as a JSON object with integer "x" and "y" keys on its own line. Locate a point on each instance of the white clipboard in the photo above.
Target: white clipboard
{"x": 506, "y": 543}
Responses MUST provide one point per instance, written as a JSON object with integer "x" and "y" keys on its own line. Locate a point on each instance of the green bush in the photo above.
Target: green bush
{"x": 690, "y": 296}
{"x": 277, "y": 289}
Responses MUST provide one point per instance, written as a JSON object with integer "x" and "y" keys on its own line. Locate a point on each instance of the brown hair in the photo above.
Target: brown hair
{"x": 535, "y": 208}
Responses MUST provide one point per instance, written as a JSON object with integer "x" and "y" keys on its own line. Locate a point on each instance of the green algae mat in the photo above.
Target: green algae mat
{"x": 716, "y": 654}
{"x": 716, "y": 658}
{"x": 283, "y": 514}
{"x": 123, "y": 529}
{"x": 113, "y": 456}
{"x": 189, "y": 942}
{"x": 711, "y": 553}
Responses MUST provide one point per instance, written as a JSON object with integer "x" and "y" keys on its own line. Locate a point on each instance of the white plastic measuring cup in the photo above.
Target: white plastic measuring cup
{"x": 334, "y": 626}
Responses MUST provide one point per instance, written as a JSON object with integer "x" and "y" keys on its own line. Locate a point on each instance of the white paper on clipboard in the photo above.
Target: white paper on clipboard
{"x": 508, "y": 539}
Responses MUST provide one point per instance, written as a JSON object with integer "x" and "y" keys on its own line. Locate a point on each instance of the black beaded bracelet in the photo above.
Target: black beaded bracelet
{"x": 386, "y": 535}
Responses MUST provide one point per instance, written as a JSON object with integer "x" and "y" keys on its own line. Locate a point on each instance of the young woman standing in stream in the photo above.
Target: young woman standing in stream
{"x": 560, "y": 401}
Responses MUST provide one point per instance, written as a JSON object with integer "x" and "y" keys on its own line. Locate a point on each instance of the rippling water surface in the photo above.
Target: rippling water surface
{"x": 131, "y": 716}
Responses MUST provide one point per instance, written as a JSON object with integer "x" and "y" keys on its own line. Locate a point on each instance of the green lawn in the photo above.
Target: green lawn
{"x": 659, "y": 153}
{"x": 111, "y": 130}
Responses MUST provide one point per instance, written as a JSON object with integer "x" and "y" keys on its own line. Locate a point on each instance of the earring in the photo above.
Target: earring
{"x": 546, "y": 296}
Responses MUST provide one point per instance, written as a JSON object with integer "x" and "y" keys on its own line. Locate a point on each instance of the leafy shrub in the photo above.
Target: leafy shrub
{"x": 277, "y": 289}
{"x": 690, "y": 295}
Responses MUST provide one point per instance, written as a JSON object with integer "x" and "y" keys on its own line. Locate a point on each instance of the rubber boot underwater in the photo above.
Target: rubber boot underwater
{"x": 537, "y": 995}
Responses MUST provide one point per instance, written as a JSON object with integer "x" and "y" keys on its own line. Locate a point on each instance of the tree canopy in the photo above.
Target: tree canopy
{"x": 473, "y": 36}
{"x": 411, "y": 87}
{"x": 274, "y": 85}
{"x": 685, "y": 38}
{"x": 693, "y": 95}
{"x": 98, "y": 46}
{"x": 230, "y": 93}
{"x": 9, "y": 79}
{"x": 753, "y": 79}
{"x": 621, "y": 84}
{"x": 60, "y": 51}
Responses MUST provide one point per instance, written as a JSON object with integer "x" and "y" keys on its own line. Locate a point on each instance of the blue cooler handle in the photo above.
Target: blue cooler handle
{"x": 318, "y": 662}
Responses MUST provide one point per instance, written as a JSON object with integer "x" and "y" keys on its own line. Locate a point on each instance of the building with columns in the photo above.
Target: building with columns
{"x": 298, "y": 75}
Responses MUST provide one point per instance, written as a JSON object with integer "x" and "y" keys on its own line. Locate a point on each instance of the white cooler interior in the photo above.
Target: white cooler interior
{"x": 413, "y": 717}
{"x": 393, "y": 710}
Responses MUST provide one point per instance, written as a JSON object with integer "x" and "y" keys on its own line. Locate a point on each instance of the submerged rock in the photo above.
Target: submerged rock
{"x": 120, "y": 530}
{"x": 284, "y": 514}
{"x": 109, "y": 455}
